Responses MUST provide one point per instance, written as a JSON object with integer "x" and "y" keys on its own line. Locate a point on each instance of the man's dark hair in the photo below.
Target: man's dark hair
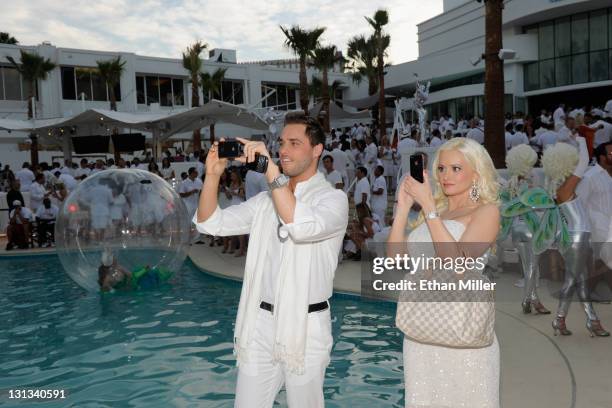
{"x": 601, "y": 150}
{"x": 314, "y": 131}
{"x": 191, "y": 170}
{"x": 363, "y": 170}
{"x": 328, "y": 156}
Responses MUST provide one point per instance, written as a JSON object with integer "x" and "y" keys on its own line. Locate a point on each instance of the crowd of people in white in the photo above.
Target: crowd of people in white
{"x": 358, "y": 160}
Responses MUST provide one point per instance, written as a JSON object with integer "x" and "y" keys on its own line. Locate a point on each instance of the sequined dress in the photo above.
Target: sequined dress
{"x": 442, "y": 377}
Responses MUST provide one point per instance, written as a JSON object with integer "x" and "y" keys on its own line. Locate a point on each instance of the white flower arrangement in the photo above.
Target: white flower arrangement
{"x": 559, "y": 162}
{"x": 519, "y": 162}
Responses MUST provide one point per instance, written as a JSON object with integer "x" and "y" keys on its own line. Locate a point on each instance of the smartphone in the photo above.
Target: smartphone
{"x": 230, "y": 149}
{"x": 416, "y": 167}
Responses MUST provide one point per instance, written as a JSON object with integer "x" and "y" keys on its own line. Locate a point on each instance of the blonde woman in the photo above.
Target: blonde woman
{"x": 462, "y": 208}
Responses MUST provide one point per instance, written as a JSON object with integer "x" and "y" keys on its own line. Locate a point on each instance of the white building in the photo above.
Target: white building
{"x": 563, "y": 54}
{"x": 148, "y": 83}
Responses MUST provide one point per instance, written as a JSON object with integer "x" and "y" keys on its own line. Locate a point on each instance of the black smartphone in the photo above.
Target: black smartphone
{"x": 416, "y": 167}
{"x": 230, "y": 149}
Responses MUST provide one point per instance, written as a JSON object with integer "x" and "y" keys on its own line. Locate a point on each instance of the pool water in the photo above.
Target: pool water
{"x": 166, "y": 348}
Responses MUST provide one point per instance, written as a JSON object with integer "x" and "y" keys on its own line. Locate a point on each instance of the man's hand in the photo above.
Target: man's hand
{"x": 214, "y": 165}
{"x": 251, "y": 148}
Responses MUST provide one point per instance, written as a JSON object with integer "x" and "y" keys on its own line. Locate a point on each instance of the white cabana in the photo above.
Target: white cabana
{"x": 162, "y": 124}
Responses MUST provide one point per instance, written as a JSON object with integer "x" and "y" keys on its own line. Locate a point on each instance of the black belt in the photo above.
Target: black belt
{"x": 315, "y": 307}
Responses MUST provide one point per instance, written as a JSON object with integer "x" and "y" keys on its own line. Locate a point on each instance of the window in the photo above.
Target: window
{"x": 598, "y": 30}
{"x": 13, "y": 87}
{"x": 563, "y": 70}
{"x": 152, "y": 89}
{"x": 140, "y": 90}
{"x": 163, "y": 90}
{"x": 68, "y": 84}
{"x": 546, "y": 38}
{"x": 282, "y": 99}
{"x": 580, "y": 68}
{"x": 562, "y": 37}
{"x": 178, "y": 91}
{"x": 98, "y": 87}
{"x": 580, "y": 33}
{"x": 547, "y": 73}
{"x": 86, "y": 80}
{"x": 598, "y": 65}
{"x": 12, "y": 84}
{"x": 572, "y": 50}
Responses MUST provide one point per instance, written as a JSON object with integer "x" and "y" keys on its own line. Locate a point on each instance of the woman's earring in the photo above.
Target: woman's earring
{"x": 474, "y": 192}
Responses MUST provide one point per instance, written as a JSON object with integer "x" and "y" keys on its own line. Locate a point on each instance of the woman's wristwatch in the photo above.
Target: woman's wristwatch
{"x": 432, "y": 215}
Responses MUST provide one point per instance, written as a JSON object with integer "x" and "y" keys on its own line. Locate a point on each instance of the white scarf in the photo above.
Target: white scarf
{"x": 291, "y": 297}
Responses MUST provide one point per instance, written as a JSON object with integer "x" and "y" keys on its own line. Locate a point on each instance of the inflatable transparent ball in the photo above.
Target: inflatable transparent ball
{"x": 122, "y": 230}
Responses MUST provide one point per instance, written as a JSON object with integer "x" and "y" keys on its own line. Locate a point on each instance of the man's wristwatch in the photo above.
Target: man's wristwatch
{"x": 279, "y": 181}
{"x": 432, "y": 215}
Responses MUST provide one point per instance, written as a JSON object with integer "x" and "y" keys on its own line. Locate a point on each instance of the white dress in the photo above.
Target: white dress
{"x": 444, "y": 377}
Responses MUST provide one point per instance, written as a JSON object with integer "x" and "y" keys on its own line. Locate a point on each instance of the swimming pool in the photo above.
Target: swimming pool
{"x": 166, "y": 348}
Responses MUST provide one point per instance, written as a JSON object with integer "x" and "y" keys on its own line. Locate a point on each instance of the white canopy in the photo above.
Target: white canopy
{"x": 165, "y": 124}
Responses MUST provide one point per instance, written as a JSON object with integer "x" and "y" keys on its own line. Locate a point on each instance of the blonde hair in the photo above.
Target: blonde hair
{"x": 558, "y": 162}
{"x": 478, "y": 158}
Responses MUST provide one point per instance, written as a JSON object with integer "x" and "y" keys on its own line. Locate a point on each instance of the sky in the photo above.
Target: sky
{"x": 164, "y": 28}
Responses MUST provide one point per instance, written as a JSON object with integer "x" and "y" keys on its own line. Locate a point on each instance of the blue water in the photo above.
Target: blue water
{"x": 166, "y": 348}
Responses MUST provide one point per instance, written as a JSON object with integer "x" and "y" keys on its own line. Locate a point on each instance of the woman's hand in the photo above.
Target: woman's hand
{"x": 420, "y": 192}
{"x": 404, "y": 199}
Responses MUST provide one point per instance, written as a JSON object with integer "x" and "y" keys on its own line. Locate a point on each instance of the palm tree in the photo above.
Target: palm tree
{"x": 494, "y": 83}
{"x": 110, "y": 71}
{"x": 324, "y": 59}
{"x": 302, "y": 42}
{"x": 193, "y": 64}
{"x": 211, "y": 85}
{"x": 362, "y": 54}
{"x": 378, "y": 21}
{"x": 6, "y": 38}
{"x": 315, "y": 88}
{"x": 32, "y": 68}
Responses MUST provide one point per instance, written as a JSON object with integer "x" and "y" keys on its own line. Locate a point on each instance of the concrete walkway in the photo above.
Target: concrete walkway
{"x": 538, "y": 369}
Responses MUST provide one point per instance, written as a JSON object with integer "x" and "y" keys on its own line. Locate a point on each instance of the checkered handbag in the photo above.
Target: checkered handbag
{"x": 448, "y": 320}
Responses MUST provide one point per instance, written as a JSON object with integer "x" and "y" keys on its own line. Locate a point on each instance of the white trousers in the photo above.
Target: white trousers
{"x": 260, "y": 379}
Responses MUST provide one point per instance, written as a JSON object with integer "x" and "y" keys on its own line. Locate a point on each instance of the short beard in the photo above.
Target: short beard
{"x": 299, "y": 168}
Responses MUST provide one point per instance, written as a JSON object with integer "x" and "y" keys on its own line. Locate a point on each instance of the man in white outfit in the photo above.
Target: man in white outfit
{"x": 283, "y": 328}
{"x": 595, "y": 193}
{"x": 379, "y": 194}
{"x": 559, "y": 117}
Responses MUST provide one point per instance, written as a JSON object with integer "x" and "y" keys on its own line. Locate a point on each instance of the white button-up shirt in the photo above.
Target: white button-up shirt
{"x": 320, "y": 223}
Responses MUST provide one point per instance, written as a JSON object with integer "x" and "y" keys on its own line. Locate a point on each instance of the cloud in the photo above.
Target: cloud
{"x": 163, "y": 28}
